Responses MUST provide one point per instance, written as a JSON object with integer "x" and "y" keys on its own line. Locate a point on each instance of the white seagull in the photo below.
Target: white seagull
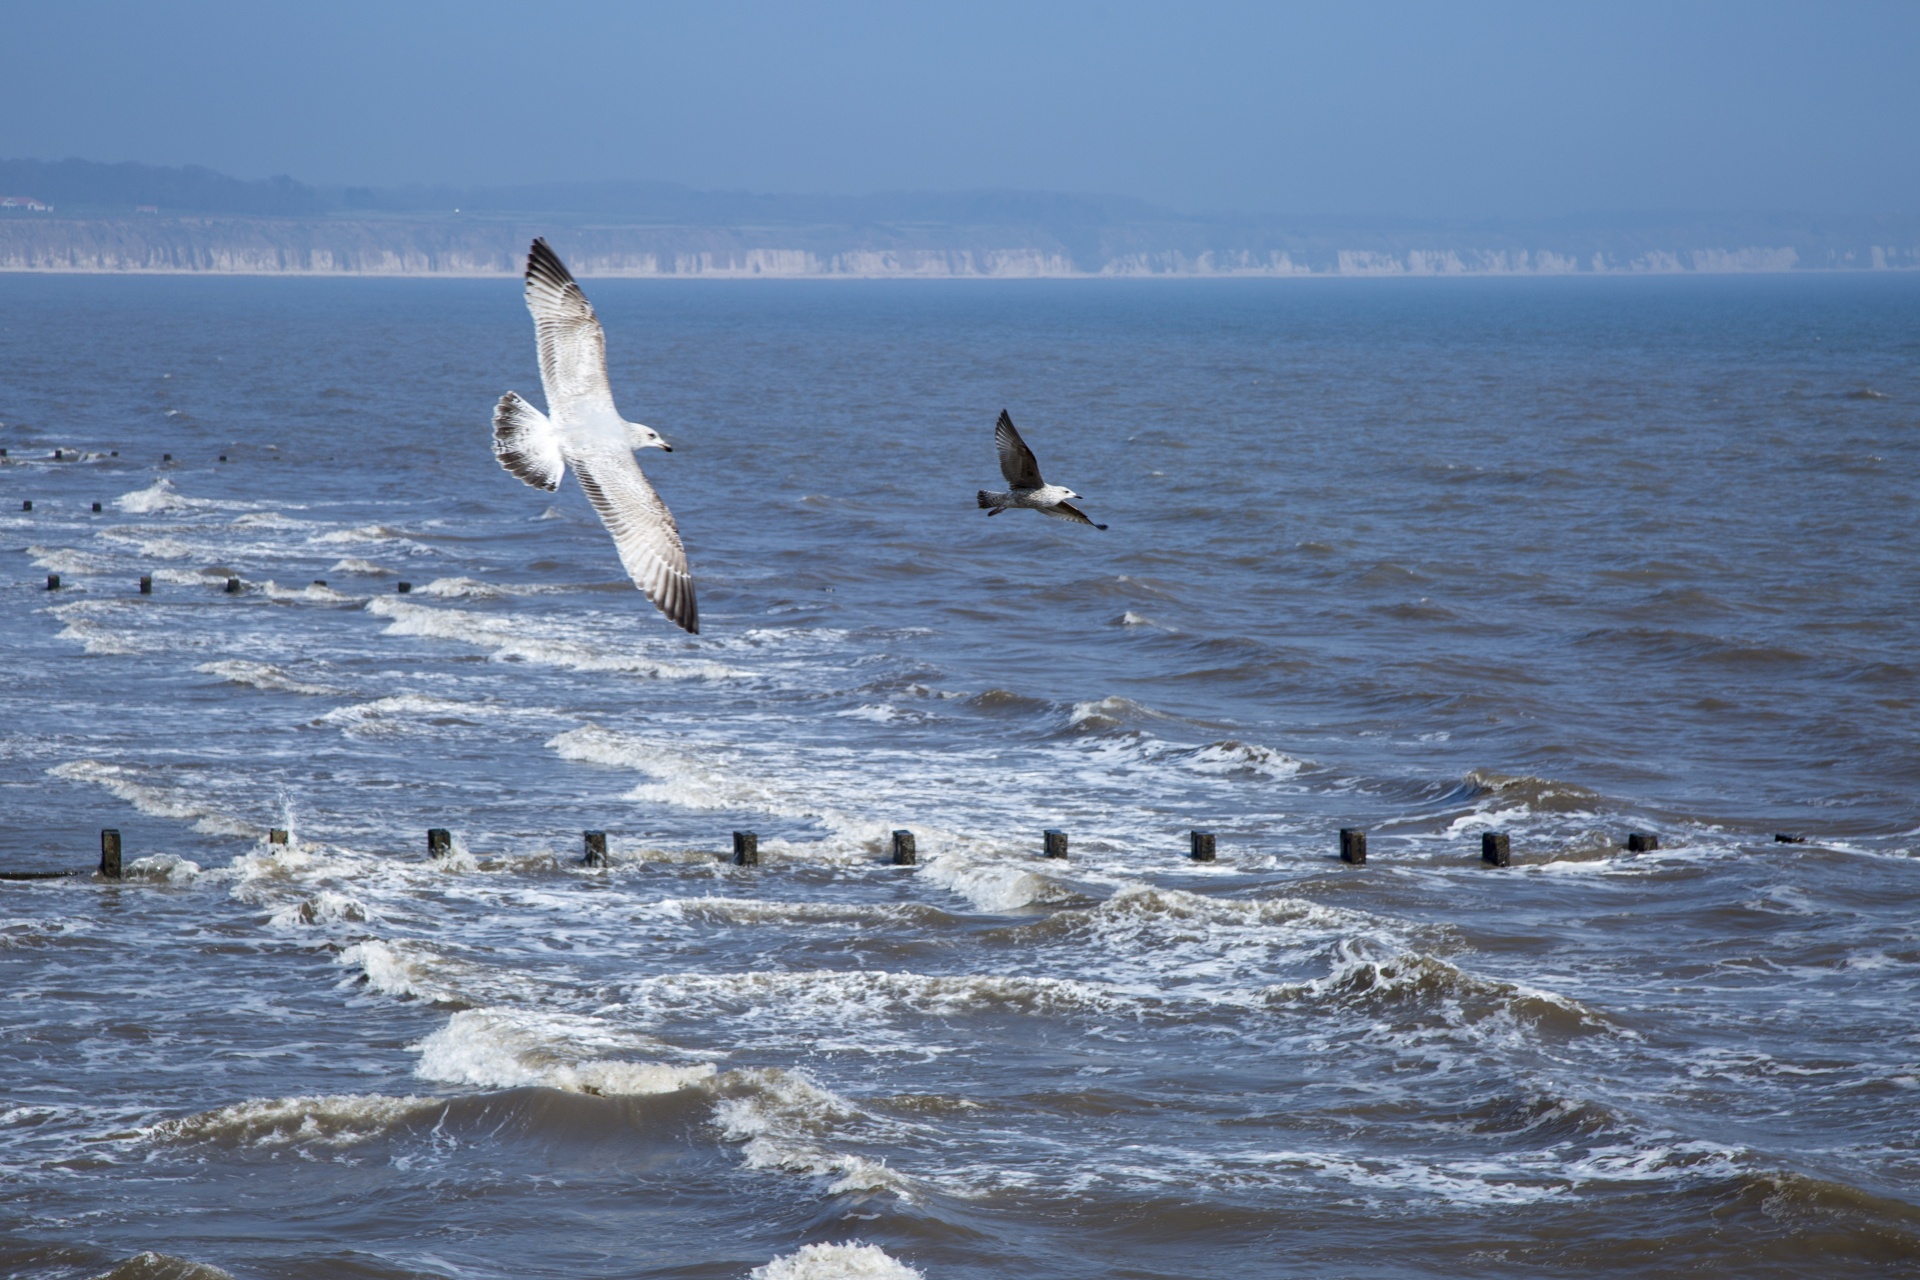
{"x": 582, "y": 429}
{"x": 1022, "y": 471}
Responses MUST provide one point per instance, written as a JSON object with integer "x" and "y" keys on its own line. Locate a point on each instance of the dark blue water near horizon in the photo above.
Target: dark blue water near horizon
{"x": 1560, "y": 559}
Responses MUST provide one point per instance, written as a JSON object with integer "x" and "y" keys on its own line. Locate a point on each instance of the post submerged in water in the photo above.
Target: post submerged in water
{"x": 1642, "y": 842}
{"x": 1054, "y": 843}
{"x": 233, "y": 586}
{"x": 1788, "y": 837}
{"x": 1495, "y": 850}
{"x": 904, "y": 854}
{"x": 146, "y": 584}
{"x": 1353, "y": 846}
{"x": 276, "y": 835}
{"x": 96, "y": 508}
{"x": 746, "y": 849}
{"x": 53, "y": 582}
{"x": 26, "y": 504}
{"x": 110, "y": 852}
{"x": 403, "y": 587}
{"x": 596, "y": 848}
{"x": 439, "y": 842}
{"x": 1200, "y": 846}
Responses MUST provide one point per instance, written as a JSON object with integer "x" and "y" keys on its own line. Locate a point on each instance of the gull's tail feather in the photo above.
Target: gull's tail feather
{"x": 986, "y": 499}
{"x": 526, "y": 443}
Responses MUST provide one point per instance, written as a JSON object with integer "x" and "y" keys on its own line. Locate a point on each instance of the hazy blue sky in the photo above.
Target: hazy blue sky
{"x": 1467, "y": 109}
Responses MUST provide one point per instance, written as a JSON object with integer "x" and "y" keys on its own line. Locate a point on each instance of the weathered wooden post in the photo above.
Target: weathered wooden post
{"x": 1642, "y": 842}
{"x": 1054, "y": 842}
{"x": 233, "y": 586}
{"x": 904, "y": 854}
{"x": 439, "y": 842}
{"x": 26, "y": 504}
{"x": 1494, "y": 849}
{"x": 1200, "y": 846}
{"x": 110, "y": 852}
{"x": 1353, "y": 846}
{"x": 166, "y": 457}
{"x": 276, "y": 835}
{"x": 96, "y": 508}
{"x": 146, "y": 584}
{"x": 1788, "y": 837}
{"x": 746, "y": 849}
{"x": 596, "y": 848}
{"x": 403, "y": 587}
{"x": 53, "y": 582}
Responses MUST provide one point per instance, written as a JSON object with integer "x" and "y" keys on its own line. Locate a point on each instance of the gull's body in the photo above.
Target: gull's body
{"x": 1027, "y": 489}
{"x": 581, "y": 429}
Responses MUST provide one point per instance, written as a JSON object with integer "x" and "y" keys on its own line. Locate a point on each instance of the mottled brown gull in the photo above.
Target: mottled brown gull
{"x": 1022, "y": 471}
{"x": 582, "y": 429}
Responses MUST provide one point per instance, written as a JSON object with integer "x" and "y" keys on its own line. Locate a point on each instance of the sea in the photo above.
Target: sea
{"x": 1563, "y": 561}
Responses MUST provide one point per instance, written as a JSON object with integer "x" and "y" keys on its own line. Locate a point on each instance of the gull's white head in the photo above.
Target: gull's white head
{"x": 640, "y": 437}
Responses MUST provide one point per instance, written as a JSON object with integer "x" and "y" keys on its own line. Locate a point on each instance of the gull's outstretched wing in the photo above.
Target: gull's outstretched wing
{"x": 1067, "y": 511}
{"x": 643, "y": 530}
{"x": 1017, "y": 462}
{"x": 526, "y": 443}
{"x": 573, "y": 350}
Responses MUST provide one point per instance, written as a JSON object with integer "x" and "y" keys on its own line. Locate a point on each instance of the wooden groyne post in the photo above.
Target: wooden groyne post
{"x": 1495, "y": 850}
{"x": 1642, "y": 842}
{"x": 110, "y": 852}
{"x": 746, "y": 849}
{"x": 904, "y": 854}
{"x": 439, "y": 842}
{"x": 596, "y": 848}
{"x": 1200, "y": 846}
{"x": 1053, "y": 843}
{"x": 1353, "y": 846}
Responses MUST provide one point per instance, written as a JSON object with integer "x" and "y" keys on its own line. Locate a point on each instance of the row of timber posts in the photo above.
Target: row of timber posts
{"x": 1496, "y": 848}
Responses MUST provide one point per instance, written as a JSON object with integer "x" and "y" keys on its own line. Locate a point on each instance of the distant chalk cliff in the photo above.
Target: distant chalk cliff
{"x": 1029, "y": 247}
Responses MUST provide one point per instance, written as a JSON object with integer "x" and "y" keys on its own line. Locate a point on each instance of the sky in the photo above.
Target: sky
{"x": 1480, "y": 108}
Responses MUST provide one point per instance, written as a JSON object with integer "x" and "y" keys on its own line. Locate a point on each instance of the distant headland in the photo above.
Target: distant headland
{"x": 80, "y": 216}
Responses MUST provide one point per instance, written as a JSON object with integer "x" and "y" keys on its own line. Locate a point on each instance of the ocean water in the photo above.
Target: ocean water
{"x": 1559, "y": 559}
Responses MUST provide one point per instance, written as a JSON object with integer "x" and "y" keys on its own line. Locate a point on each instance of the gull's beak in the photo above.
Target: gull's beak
{"x": 666, "y": 446}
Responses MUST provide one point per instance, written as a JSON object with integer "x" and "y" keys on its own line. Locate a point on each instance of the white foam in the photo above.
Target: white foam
{"x": 264, "y": 675}
{"x": 400, "y": 969}
{"x": 409, "y": 713}
{"x": 68, "y": 560}
{"x": 159, "y": 496}
{"x": 877, "y": 712}
{"x": 161, "y": 802}
{"x": 96, "y": 626}
{"x": 849, "y": 1261}
{"x": 780, "y": 1117}
{"x": 326, "y": 1120}
{"x": 314, "y": 593}
{"x": 705, "y": 776}
{"x": 474, "y": 589}
{"x": 359, "y": 533}
{"x": 169, "y": 867}
{"x": 998, "y": 884}
{"x": 323, "y": 908}
{"x": 530, "y": 639}
{"x": 504, "y": 1049}
{"x": 351, "y": 565}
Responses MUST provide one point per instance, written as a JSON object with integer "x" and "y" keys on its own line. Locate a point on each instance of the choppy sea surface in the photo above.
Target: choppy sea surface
{"x": 1558, "y": 559}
